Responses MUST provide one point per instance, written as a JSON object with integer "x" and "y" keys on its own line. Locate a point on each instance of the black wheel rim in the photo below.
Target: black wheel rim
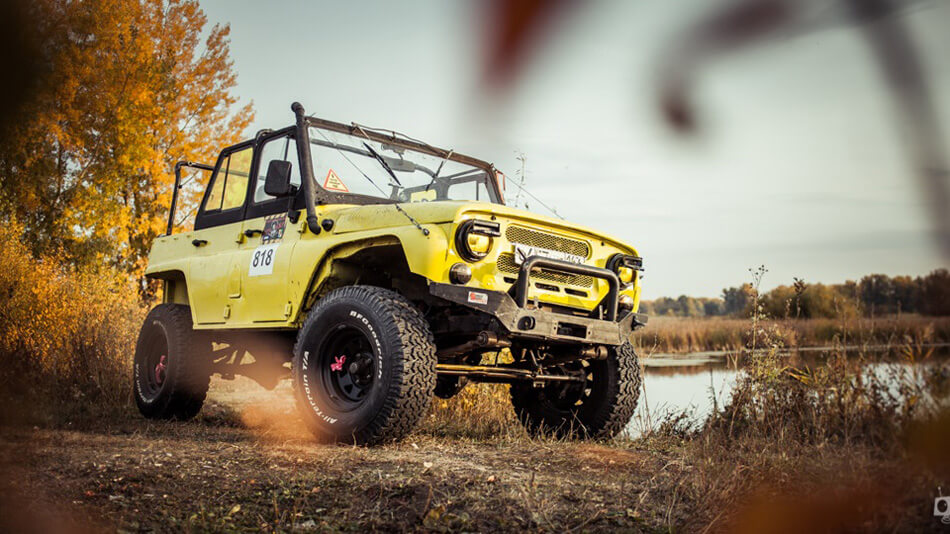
{"x": 155, "y": 366}
{"x": 346, "y": 367}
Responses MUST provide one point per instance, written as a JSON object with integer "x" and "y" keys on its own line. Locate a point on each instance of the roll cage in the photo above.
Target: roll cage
{"x": 311, "y": 193}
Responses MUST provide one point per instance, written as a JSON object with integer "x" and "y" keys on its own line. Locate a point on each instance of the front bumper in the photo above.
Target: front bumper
{"x": 533, "y": 323}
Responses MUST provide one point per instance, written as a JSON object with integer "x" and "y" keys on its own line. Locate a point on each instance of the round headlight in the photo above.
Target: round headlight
{"x": 619, "y": 264}
{"x": 625, "y": 274}
{"x": 473, "y": 239}
{"x": 477, "y": 243}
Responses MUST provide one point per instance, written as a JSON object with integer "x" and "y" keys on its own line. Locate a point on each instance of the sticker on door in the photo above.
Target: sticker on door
{"x": 262, "y": 260}
{"x": 274, "y": 228}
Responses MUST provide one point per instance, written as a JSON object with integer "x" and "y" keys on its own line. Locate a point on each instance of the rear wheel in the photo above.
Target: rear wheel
{"x": 364, "y": 366}
{"x": 172, "y": 366}
{"x": 598, "y": 406}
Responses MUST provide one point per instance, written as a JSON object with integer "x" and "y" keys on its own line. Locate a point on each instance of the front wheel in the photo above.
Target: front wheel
{"x": 364, "y": 366}
{"x": 597, "y": 406}
{"x": 172, "y": 366}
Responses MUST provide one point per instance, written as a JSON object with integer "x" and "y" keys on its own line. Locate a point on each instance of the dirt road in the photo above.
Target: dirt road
{"x": 245, "y": 464}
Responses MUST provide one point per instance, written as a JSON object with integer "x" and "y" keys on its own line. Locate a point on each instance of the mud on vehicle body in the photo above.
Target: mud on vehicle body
{"x": 385, "y": 270}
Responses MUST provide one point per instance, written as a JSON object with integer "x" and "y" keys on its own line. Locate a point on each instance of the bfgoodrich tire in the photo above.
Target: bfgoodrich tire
{"x": 598, "y": 408}
{"x": 172, "y": 368}
{"x": 364, "y": 366}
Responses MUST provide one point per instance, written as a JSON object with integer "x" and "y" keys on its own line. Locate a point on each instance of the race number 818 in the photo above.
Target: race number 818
{"x": 262, "y": 260}
{"x": 262, "y": 257}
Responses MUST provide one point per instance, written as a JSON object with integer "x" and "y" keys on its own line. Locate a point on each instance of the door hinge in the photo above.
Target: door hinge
{"x": 288, "y": 309}
{"x": 227, "y": 311}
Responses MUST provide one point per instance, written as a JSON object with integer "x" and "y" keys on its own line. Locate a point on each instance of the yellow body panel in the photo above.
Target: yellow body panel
{"x": 223, "y": 294}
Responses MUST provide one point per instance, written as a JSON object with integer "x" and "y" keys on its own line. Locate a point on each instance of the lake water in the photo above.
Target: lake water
{"x": 699, "y": 382}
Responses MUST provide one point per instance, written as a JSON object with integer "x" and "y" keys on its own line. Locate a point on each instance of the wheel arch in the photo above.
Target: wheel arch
{"x": 174, "y": 286}
{"x": 382, "y": 261}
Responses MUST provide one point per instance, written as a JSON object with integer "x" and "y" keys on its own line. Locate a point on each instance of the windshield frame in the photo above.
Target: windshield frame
{"x": 325, "y": 196}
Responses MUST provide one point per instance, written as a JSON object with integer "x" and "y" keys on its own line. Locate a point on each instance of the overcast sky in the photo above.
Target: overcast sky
{"x": 799, "y": 166}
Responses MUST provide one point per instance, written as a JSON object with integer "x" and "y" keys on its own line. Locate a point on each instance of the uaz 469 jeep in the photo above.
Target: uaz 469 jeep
{"x": 394, "y": 271}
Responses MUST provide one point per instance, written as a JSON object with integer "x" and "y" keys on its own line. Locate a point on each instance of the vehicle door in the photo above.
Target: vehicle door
{"x": 265, "y": 255}
{"x": 214, "y": 280}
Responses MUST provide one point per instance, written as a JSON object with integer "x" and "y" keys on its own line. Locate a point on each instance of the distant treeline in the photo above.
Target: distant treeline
{"x": 873, "y": 295}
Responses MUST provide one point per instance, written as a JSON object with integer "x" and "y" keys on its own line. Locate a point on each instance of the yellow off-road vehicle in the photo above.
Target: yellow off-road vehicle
{"x": 386, "y": 270}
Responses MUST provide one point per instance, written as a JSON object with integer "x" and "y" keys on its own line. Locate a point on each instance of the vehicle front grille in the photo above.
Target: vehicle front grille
{"x": 506, "y": 264}
{"x": 533, "y": 238}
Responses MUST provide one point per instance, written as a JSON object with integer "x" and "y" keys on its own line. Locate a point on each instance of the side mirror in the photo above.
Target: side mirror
{"x": 277, "y": 182}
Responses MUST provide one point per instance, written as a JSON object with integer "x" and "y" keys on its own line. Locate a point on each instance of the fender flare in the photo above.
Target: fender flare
{"x": 414, "y": 248}
{"x": 175, "y": 286}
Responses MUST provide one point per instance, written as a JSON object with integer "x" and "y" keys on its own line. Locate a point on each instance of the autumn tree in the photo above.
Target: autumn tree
{"x": 736, "y": 300}
{"x": 713, "y": 307}
{"x": 779, "y": 302}
{"x": 935, "y": 292}
{"x": 125, "y": 89}
{"x": 877, "y": 294}
{"x": 907, "y": 292}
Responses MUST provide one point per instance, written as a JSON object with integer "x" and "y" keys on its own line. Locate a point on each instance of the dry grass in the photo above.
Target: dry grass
{"x": 835, "y": 447}
{"x": 247, "y": 464}
{"x": 136, "y": 476}
{"x": 787, "y": 454}
{"x": 66, "y": 335}
{"x": 850, "y": 444}
{"x": 683, "y": 334}
{"x": 480, "y": 411}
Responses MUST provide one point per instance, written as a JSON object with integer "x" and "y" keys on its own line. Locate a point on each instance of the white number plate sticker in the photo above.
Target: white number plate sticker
{"x": 523, "y": 252}
{"x": 262, "y": 260}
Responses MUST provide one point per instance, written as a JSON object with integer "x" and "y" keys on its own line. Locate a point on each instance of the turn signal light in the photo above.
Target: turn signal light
{"x": 625, "y": 302}
{"x": 460, "y": 273}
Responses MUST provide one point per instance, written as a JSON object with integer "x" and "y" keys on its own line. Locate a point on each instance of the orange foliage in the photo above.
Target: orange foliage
{"x": 130, "y": 87}
{"x": 65, "y": 333}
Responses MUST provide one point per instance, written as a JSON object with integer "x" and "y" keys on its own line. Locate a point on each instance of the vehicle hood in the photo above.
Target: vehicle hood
{"x": 358, "y": 218}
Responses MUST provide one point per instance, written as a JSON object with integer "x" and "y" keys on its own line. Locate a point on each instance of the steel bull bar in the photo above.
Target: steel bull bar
{"x": 512, "y": 311}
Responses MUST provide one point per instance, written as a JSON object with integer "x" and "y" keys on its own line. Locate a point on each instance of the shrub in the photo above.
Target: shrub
{"x": 844, "y": 400}
{"x": 67, "y": 334}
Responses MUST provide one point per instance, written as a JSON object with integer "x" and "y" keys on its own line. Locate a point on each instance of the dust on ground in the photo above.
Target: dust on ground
{"x": 247, "y": 463}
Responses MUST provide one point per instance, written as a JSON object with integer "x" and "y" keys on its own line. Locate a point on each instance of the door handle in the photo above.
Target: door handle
{"x": 199, "y": 242}
{"x": 251, "y": 232}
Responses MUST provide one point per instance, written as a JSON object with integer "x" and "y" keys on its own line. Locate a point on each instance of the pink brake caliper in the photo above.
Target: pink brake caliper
{"x": 160, "y": 370}
{"x": 338, "y": 364}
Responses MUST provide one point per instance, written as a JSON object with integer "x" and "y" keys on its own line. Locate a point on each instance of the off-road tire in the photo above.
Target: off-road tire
{"x": 614, "y": 385}
{"x": 403, "y": 372}
{"x": 187, "y": 367}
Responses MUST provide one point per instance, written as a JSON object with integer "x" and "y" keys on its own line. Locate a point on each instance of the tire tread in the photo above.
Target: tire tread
{"x": 189, "y": 380}
{"x": 604, "y": 421}
{"x": 410, "y": 391}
